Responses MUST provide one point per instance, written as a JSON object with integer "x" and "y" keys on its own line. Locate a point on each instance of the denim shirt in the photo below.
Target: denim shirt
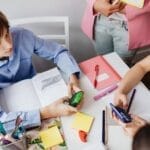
{"x": 25, "y": 44}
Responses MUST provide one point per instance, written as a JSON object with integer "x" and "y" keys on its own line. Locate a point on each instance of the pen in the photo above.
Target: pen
{"x": 96, "y": 75}
{"x": 131, "y": 100}
{"x": 105, "y": 92}
{"x": 16, "y": 131}
{"x": 103, "y": 127}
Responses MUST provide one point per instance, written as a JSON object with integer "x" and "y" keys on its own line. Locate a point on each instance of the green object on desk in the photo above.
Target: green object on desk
{"x": 37, "y": 141}
{"x": 2, "y": 130}
{"x": 63, "y": 144}
{"x": 76, "y": 98}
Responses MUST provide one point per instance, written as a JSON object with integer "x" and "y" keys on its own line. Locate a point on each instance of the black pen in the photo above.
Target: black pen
{"x": 103, "y": 127}
{"x": 131, "y": 100}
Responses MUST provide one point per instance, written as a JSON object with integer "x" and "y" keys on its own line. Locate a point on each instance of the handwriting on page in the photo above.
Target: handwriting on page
{"x": 49, "y": 81}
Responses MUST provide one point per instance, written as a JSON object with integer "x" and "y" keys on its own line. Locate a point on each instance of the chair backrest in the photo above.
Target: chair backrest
{"x": 52, "y": 22}
{"x": 47, "y": 27}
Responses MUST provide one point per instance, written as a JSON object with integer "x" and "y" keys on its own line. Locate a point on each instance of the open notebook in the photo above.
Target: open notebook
{"x": 41, "y": 90}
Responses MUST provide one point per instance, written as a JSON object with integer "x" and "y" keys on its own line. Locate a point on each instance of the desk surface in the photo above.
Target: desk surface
{"x": 140, "y": 106}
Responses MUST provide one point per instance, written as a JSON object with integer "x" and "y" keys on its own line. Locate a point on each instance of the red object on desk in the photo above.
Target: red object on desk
{"x": 83, "y": 136}
{"x": 107, "y": 75}
{"x": 96, "y": 68}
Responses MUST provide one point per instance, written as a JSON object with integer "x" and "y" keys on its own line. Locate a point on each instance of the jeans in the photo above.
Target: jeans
{"x": 112, "y": 36}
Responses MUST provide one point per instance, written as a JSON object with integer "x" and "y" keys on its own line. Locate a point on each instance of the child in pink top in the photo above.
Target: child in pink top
{"x": 137, "y": 20}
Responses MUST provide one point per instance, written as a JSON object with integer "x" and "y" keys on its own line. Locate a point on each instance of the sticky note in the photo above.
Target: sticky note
{"x": 51, "y": 137}
{"x": 82, "y": 121}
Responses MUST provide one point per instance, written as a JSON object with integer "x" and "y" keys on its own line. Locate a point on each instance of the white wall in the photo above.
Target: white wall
{"x": 80, "y": 45}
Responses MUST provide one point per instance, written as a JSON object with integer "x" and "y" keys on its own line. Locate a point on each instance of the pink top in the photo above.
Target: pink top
{"x": 138, "y": 24}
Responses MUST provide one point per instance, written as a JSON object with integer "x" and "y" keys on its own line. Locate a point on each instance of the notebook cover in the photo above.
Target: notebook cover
{"x": 107, "y": 75}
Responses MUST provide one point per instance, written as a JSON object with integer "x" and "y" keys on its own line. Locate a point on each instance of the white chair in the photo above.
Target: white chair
{"x": 47, "y": 20}
{"x": 47, "y": 27}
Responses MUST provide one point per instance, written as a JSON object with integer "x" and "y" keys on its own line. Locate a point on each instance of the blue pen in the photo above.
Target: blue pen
{"x": 131, "y": 100}
{"x": 103, "y": 127}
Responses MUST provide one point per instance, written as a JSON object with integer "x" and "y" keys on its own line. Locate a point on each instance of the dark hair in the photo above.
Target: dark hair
{"x": 4, "y": 24}
{"x": 141, "y": 140}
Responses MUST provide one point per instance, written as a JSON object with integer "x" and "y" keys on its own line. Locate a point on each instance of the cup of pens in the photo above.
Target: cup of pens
{"x": 12, "y": 135}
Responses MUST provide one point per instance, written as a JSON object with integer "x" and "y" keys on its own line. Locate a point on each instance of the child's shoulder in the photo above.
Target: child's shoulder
{"x": 19, "y": 30}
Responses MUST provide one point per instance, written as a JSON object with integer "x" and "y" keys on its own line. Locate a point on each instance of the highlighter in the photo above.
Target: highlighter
{"x": 76, "y": 98}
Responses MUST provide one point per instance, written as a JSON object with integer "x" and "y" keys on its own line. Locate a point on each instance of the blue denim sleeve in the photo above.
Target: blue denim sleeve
{"x": 61, "y": 56}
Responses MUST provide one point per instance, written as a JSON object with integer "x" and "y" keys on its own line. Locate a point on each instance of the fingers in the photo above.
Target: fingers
{"x": 121, "y": 101}
{"x": 80, "y": 105}
{"x": 71, "y": 110}
{"x": 76, "y": 88}
{"x": 117, "y": 7}
{"x": 138, "y": 119}
{"x": 63, "y": 99}
{"x": 70, "y": 90}
{"x": 73, "y": 88}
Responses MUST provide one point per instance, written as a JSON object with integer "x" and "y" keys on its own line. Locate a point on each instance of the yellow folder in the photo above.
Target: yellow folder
{"x": 137, "y": 3}
{"x": 51, "y": 137}
{"x": 82, "y": 121}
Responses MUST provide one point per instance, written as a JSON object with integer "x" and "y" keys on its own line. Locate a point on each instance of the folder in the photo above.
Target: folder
{"x": 107, "y": 75}
{"x": 82, "y": 122}
{"x": 51, "y": 137}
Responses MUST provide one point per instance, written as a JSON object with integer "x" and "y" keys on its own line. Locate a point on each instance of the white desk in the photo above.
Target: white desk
{"x": 140, "y": 106}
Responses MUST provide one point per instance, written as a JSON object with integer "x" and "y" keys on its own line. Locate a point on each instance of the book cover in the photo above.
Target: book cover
{"x": 106, "y": 75}
{"x": 136, "y": 3}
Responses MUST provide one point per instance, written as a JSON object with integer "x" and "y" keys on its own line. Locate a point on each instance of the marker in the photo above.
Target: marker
{"x": 131, "y": 100}
{"x": 2, "y": 130}
{"x": 96, "y": 75}
{"x": 105, "y": 92}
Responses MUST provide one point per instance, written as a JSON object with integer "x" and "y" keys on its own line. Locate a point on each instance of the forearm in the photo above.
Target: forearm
{"x": 45, "y": 113}
{"x": 73, "y": 79}
{"x": 132, "y": 77}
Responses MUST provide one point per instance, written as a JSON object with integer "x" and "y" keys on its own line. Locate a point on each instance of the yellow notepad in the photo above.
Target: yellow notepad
{"x": 137, "y": 3}
{"x": 51, "y": 137}
{"x": 82, "y": 121}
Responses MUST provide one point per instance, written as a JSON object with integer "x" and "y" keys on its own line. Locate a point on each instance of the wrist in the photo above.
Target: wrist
{"x": 74, "y": 80}
{"x": 46, "y": 112}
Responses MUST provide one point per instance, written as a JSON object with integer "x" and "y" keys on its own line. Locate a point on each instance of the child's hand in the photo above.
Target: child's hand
{"x": 57, "y": 109}
{"x": 121, "y": 100}
{"x": 132, "y": 127}
{"x": 73, "y": 85}
{"x": 105, "y": 8}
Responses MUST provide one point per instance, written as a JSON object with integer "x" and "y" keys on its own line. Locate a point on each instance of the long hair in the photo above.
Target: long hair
{"x": 141, "y": 140}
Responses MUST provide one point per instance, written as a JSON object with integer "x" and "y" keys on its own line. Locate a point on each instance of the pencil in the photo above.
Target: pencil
{"x": 103, "y": 127}
{"x": 131, "y": 100}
